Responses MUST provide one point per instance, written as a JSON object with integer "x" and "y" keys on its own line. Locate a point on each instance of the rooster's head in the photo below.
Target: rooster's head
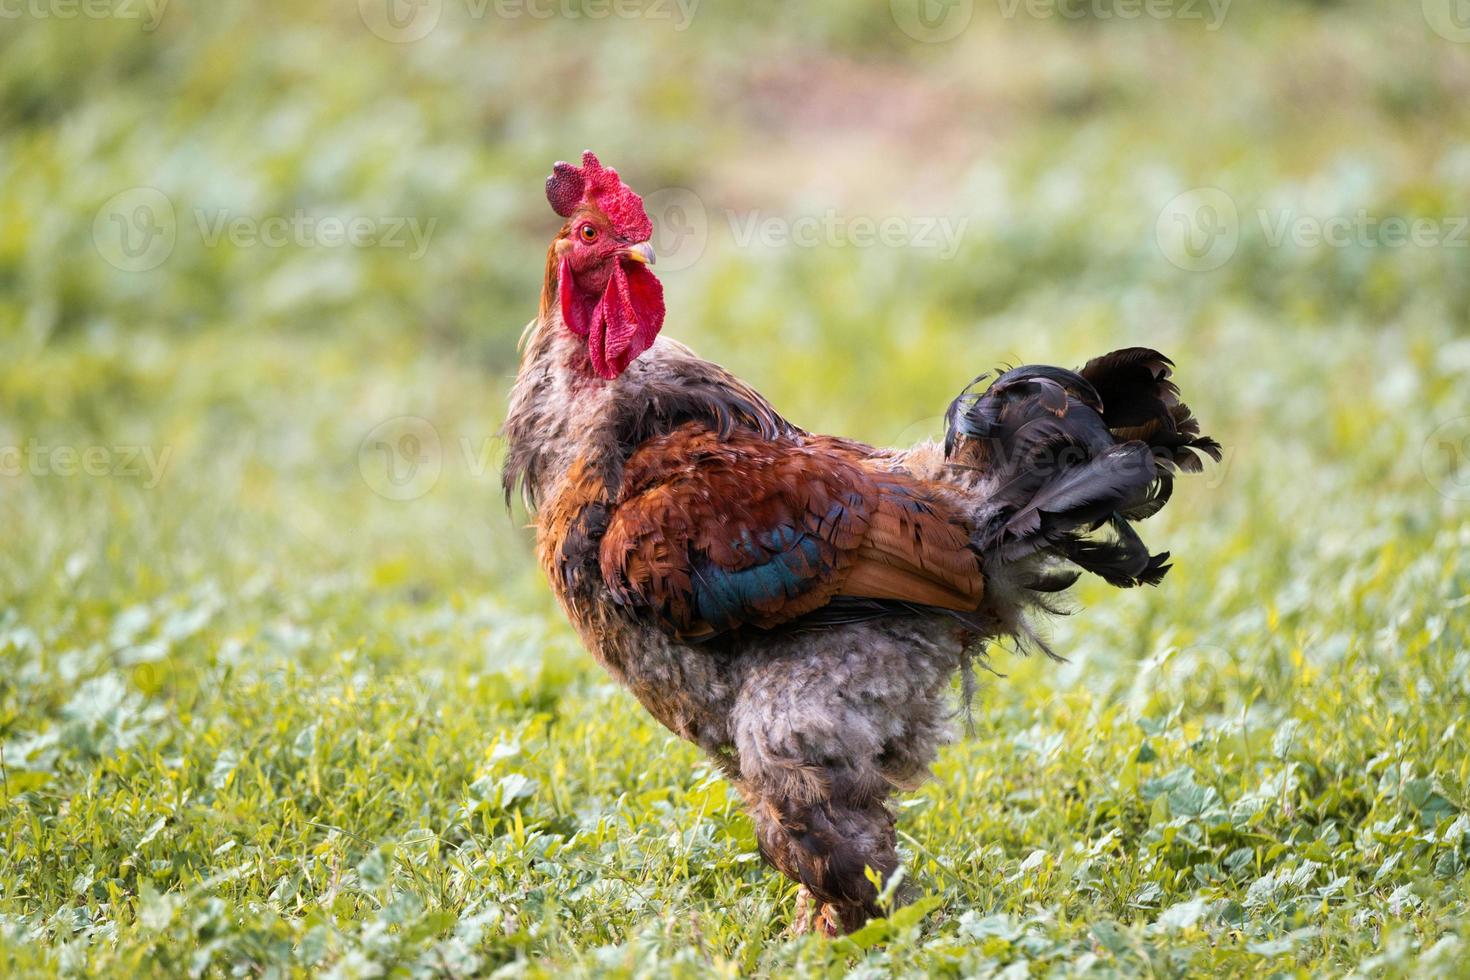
{"x": 600, "y": 261}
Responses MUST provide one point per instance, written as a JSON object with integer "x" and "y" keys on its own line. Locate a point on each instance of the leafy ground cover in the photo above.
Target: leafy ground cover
{"x": 282, "y": 694}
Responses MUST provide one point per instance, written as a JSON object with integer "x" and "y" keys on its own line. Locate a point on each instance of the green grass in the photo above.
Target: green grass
{"x": 259, "y": 719}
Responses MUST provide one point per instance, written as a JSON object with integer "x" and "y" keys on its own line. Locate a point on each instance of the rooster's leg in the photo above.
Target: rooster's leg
{"x": 828, "y": 848}
{"x": 812, "y": 915}
{"x": 824, "y": 827}
{"x": 807, "y": 909}
{"x": 823, "y": 734}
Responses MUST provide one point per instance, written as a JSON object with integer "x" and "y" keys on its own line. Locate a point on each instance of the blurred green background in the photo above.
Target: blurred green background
{"x": 263, "y": 268}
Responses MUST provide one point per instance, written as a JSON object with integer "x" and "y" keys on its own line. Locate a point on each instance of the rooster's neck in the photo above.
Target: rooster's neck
{"x": 558, "y": 409}
{"x": 562, "y": 412}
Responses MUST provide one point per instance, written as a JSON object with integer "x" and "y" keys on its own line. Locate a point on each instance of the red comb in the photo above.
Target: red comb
{"x": 594, "y": 184}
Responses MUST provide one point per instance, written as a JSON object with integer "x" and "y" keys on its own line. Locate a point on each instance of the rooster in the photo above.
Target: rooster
{"x": 797, "y": 605}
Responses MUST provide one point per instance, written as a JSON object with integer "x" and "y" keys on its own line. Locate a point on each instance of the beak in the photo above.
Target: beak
{"x": 642, "y": 252}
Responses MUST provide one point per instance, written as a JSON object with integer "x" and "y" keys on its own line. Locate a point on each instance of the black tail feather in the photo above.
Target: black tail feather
{"x": 1073, "y": 453}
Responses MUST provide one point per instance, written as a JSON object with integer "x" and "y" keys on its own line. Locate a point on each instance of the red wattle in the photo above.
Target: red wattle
{"x": 625, "y": 321}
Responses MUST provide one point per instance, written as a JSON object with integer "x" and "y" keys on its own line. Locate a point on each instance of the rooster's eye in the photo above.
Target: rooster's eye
{"x": 588, "y": 233}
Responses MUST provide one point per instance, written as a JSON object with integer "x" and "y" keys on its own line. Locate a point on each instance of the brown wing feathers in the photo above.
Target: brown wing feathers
{"x": 711, "y": 534}
{"x": 916, "y": 552}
